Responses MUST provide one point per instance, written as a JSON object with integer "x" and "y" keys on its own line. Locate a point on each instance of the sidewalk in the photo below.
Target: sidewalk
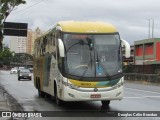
{"x": 4, "y": 106}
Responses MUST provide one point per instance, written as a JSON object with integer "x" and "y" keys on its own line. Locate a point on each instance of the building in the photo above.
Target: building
{"x": 147, "y": 51}
{"x": 32, "y": 35}
{"x": 29, "y": 41}
{"x": 18, "y": 44}
{"x": 25, "y": 44}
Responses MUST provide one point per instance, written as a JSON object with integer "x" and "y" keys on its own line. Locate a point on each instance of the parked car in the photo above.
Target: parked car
{"x": 13, "y": 71}
{"x": 24, "y": 74}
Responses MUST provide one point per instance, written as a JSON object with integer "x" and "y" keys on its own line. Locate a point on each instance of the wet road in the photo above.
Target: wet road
{"x": 137, "y": 97}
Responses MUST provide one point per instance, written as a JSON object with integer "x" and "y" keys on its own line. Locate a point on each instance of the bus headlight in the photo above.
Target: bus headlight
{"x": 69, "y": 85}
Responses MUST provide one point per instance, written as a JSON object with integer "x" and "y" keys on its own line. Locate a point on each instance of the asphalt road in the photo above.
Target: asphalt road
{"x": 137, "y": 97}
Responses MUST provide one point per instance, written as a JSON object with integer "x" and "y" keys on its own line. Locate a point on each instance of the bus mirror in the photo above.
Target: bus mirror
{"x": 61, "y": 48}
{"x": 126, "y": 47}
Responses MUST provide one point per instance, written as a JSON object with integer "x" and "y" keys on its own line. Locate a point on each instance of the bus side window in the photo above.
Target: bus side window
{"x": 43, "y": 45}
{"x": 53, "y": 39}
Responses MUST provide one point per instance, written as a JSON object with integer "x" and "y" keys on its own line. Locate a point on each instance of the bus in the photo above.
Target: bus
{"x": 80, "y": 61}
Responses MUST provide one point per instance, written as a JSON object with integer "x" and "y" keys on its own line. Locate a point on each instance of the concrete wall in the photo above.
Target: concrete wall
{"x": 152, "y": 78}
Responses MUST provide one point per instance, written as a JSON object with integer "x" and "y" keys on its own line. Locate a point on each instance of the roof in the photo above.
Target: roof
{"x": 145, "y": 41}
{"x": 86, "y": 27}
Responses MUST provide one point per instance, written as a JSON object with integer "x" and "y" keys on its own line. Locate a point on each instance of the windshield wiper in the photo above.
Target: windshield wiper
{"x": 90, "y": 62}
{"x": 90, "y": 45}
{"x": 80, "y": 42}
{"x": 102, "y": 66}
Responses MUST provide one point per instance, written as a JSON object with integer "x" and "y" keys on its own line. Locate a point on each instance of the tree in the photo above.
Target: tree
{"x": 7, "y": 6}
{"x": 6, "y": 56}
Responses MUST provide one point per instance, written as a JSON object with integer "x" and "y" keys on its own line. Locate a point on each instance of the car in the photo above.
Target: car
{"x": 13, "y": 71}
{"x": 20, "y": 68}
{"x": 24, "y": 74}
{"x": 31, "y": 70}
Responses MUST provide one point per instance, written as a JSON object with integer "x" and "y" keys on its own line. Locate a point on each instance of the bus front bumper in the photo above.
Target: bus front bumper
{"x": 70, "y": 94}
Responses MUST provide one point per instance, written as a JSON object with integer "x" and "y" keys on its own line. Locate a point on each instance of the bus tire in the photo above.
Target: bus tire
{"x": 59, "y": 102}
{"x": 40, "y": 93}
{"x": 105, "y": 102}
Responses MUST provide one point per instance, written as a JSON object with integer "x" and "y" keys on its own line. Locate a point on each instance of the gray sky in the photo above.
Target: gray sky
{"x": 129, "y": 16}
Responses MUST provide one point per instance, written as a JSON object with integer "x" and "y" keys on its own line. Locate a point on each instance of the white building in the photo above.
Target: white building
{"x": 18, "y": 44}
{"x": 25, "y": 44}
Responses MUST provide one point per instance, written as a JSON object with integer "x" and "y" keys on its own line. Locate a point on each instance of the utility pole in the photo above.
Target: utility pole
{"x": 149, "y": 20}
{"x": 151, "y": 27}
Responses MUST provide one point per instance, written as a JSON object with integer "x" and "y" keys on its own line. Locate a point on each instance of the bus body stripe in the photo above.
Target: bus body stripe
{"x": 94, "y": 84}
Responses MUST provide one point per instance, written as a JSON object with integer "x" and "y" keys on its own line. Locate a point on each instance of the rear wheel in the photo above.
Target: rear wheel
{"x": 40, "y": 93}
{"x": 105, "y": 103}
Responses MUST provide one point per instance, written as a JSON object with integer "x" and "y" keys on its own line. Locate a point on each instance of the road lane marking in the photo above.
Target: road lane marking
{"x": 142, "y": 90}
{"x": 141, "y": 97}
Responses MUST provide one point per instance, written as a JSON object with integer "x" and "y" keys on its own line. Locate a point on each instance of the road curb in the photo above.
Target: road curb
{"x": 11, "y": 102}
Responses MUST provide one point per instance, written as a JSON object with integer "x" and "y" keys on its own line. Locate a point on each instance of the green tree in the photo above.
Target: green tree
{"x": 6, "y": 7}
{"x": 6, "y": 56}
{"x": 22, "y": 57}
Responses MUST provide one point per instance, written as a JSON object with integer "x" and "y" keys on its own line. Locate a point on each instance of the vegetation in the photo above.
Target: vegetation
{"x": 7, "y": 6}
{"x": 6, "y": 57}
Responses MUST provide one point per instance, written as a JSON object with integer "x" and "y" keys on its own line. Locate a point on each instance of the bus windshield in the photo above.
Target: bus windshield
{"x": 92, "y": 56}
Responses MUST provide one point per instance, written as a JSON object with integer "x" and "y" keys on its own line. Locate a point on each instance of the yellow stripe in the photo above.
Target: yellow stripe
{"x": 85, "y": 84}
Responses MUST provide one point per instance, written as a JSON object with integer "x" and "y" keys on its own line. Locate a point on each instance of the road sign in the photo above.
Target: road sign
{"x": 15, "y": 29}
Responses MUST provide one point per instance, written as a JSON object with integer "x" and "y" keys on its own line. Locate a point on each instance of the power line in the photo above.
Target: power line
{"x": 28, "y": 7}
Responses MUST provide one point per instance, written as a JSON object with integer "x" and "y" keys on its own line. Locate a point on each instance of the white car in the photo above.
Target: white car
{"x": 14, "y": 71}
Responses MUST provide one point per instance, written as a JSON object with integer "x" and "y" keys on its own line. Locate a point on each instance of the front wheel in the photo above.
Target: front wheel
{"x": 105, "y": 102}
{"x": 59, "y": 102}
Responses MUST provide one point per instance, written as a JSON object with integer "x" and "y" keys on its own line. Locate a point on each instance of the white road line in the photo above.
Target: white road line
{"x": 141, "y": 97}
{"x": 142, "y": 90}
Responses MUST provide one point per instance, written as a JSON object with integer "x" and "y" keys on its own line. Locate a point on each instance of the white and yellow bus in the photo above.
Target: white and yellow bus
{"x": 80, "y": 61}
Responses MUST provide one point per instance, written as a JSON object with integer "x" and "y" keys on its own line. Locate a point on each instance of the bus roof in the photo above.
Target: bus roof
{"x": 86, "y": 27}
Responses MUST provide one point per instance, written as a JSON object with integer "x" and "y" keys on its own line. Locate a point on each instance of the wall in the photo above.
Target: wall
{"x": 152, "y": 78}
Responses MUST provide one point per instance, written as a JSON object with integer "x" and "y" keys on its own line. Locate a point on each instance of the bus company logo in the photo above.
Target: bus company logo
{"x": 6, "y": 114}
{"x": 95, "y": 89}
{"x": 86, "y": 84}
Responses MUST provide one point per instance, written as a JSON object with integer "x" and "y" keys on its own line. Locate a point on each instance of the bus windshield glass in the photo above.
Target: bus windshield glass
{"x": 94, "y": 55}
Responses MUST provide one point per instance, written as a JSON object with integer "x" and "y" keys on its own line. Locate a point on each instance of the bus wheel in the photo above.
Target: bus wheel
{"x": 105, "y": 103}
{"x": 40, "y": 93}
{"x": 58, "y": 101}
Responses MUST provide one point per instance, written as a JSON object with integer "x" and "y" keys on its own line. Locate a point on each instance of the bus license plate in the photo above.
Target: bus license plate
{"x": 96, "y": 96}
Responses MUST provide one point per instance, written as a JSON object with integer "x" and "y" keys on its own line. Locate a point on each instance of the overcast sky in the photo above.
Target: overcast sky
{"x": 131, "y": 17}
